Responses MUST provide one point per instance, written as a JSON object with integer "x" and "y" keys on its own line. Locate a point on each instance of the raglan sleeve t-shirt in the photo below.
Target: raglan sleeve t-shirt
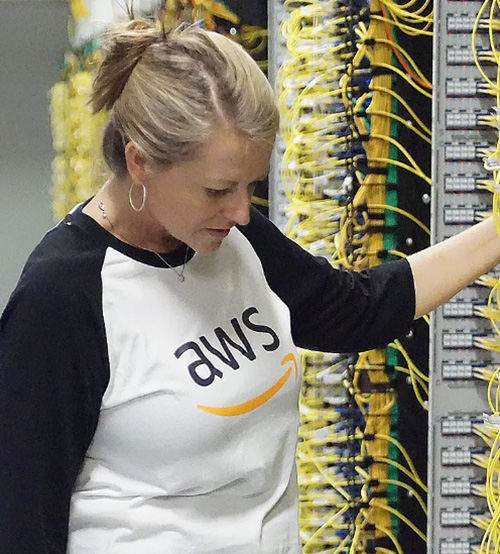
{"x": 135, "y": 409}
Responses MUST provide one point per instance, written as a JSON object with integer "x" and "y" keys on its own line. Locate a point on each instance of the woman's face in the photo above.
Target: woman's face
{"x": 198, "y": 201}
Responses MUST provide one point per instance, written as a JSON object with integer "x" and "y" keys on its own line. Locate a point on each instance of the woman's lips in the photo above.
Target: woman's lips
{"x": 219, "y": 233}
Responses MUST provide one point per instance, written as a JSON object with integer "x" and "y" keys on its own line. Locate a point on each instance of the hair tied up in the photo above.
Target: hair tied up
{"x": 124, "y": 46}
{"x": 170, "y": 98}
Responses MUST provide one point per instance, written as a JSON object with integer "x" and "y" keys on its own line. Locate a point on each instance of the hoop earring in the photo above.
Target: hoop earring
{"x": 144, "y": 194}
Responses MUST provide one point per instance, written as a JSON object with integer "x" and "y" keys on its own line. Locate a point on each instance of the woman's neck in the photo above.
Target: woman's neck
{"x": 112, "y": 210}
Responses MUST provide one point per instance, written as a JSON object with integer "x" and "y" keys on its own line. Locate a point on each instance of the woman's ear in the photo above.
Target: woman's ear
{"x": 136, "y": 164}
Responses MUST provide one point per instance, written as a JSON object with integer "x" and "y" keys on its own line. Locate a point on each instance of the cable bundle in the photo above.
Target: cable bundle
{"x": 319, "y": 147}
{"x": 340, "y": 115}
{"x": 367, "y": 239}
{"x": 78, "y": 168}
{"x": 317, "y": 177}
{"x": 328, "y": 454}
{"x": 488, "y": 19}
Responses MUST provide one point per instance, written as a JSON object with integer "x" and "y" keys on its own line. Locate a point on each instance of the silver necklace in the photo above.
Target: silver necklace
{"x": 180, "y": 274}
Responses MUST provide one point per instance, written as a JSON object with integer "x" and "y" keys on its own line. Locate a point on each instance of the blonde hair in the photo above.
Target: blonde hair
{"x": 167, "y": 92}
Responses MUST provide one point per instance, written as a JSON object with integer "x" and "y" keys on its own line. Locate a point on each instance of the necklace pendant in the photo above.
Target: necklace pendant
{"x": 103, "y": 209}
{"x": 182, "y": 278}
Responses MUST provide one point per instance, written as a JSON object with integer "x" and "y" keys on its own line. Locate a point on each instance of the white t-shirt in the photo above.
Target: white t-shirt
{"x": 144, "y": 414}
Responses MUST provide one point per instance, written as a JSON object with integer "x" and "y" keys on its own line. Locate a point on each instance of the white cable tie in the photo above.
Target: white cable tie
{"x": 332, "y": 192}
{"x": 318, "y": 246}
{"x": 491, "y": 421}
{"x": 320, "y": 180}
{"x": 308, "y": 11}
{"x": 322, "y": 433}
{"x": 309, "y": 102}
{"x": 347, "y": 184}
{"x": 491, "y": 163}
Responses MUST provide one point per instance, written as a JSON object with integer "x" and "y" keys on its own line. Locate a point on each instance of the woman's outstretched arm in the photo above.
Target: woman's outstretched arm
{"x": 445, "y": 268}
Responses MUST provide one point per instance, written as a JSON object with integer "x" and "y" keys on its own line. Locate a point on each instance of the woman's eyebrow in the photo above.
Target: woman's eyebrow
{"x": 235, "y": 183}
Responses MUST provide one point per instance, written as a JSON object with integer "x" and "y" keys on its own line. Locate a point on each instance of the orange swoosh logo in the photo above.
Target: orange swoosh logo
{"x": 249, "y": 405}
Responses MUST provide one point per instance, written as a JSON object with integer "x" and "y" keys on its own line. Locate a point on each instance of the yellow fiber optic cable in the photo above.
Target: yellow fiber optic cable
{"x": 403, "y": 75}
{"x": 402, "y": 165}
{"x": 399, "y": 515}
{"x": 402, "y": 212}
{"x": 405, "y": 104}
{"x": 415, "y": 478}
{"x": 406, "y": 123}
{"x": 403, "y": 451}
{"x": 401, "y": 148}
{"x": 328, "y": 523}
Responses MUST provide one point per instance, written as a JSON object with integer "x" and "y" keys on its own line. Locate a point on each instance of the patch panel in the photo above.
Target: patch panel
{"x": 458, "y": 309}
{"x": 464, "y": 139}
{"x": 460, "y": 455}
{"x": 463, "y": 151}
{"x": 461, "y": 308}
{"x": 457, "y": 546}
{"x": 462, "y": 182}
{"x": 459, "y": 215}
{"x": 464, "y": 87}
{"x": 460, "y": 338}
{"x": 457, "y": 371}
{"x": 465, "y": 118}
{"x": 462, "y": 55}
{"x": 463, "y": 370}
{"x": 464, "y": 215}
{"x": 460, "y": 424}
{"x": 464, "y": 23}
{"x": 459, "y": 517}
{"x": 458, "y": 486}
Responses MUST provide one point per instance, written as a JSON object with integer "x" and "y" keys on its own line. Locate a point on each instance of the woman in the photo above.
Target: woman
{"x": 148, "y": 371}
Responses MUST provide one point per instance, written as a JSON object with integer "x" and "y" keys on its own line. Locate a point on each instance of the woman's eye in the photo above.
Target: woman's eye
{"x": 215, "y": 193}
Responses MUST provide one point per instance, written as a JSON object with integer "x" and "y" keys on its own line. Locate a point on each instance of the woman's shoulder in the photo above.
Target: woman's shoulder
{"x": 64, "y": 267}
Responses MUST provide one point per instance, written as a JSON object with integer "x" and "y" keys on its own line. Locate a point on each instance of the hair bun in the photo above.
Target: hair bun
{"x": 170, "y": 98}
{"x": 123, "y": 47}
{"x": 138, "y": 25}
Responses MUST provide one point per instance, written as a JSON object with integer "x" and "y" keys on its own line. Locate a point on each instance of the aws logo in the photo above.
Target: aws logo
{"x": 204, "y": 372}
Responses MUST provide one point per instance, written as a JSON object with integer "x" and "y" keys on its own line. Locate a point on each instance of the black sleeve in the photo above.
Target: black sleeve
{"x": 51, "y": 385}
{"x": 334, "y": 310}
